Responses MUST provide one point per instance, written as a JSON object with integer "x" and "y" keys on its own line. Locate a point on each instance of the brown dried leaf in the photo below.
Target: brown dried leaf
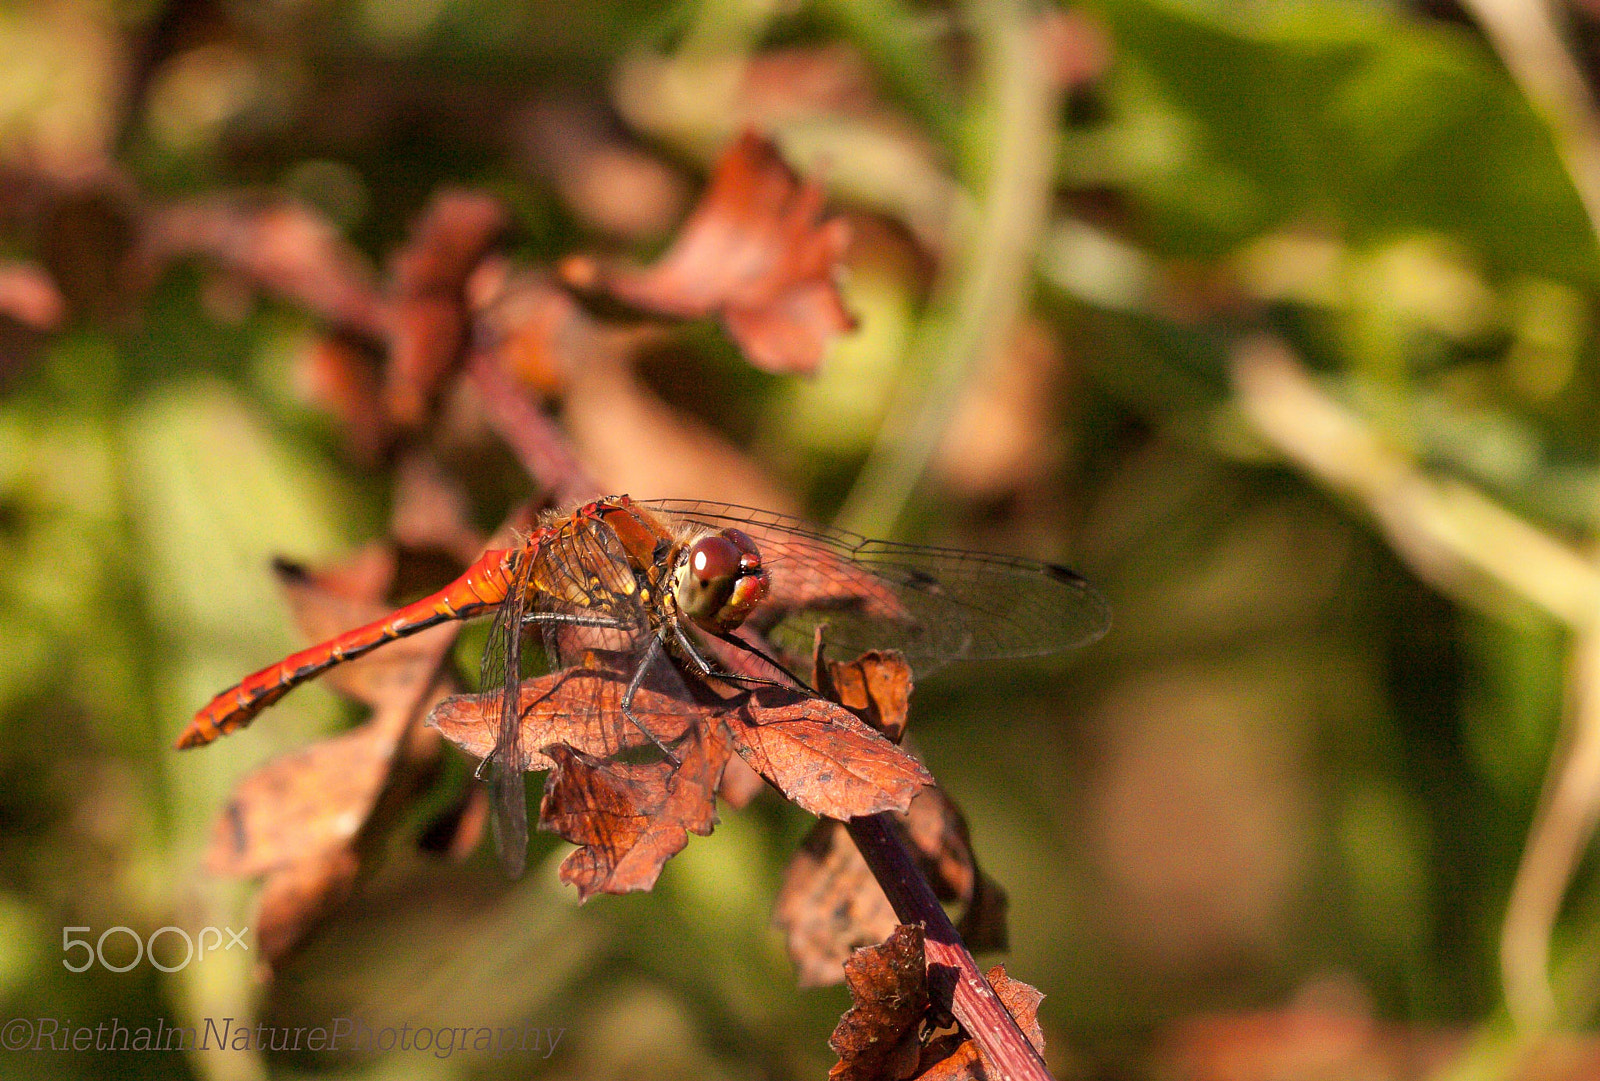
{"x": 950, "y": 1059}
{"x": 822, "y": 758}
{"x": 782, "y": 85}
{"x": 1307, "y": 1043}
{"x": 829, "y": 905}
{"x": 1021, "y": 1001}
{"x": 755, "y": 252}
{"x": 1005, "y": 436}
{"x": 881, "y": 1037}
{"x": 876, "y": 1039}
{"x": 428, "y": 318}
{"x": 307, "y": 801}
{"x": 629, "y": 819}
{"x": 938, "y": 835}
{"x": 627, "y": 436}
{"x": 455, "y": 231}
{"x": 983, "y": 926}
{"x": 472, "y": 823}
{"x": 431, "y": 510}
{"x": 876, "y": 686}
{"x": 280, "y": 246}
{"x": 301, "y": 821}
{"x": 538, "y": 333}
{"x": 580, "y": 708}
{"x": 1077, "y": 49}
{"x": 633, "y": 441}
{"x": 426, "y": 338}
{"x": 297, "y": 897}
{"x": 534, "y": 329}
{"x": 614, "y": 186}
{"x": 331, "y": 602}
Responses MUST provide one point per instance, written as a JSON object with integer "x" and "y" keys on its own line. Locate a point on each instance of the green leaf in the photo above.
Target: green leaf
{"x": 1343, "y": 116}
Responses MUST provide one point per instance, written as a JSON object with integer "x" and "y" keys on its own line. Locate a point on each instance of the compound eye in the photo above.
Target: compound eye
{"x": 713, "y": 559}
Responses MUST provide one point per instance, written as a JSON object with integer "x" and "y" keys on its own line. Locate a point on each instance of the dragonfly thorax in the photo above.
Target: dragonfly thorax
{"x": 719, "y": 580}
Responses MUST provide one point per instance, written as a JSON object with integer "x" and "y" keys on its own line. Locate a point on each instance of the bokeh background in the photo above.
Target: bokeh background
{"x": 1277, "y": 320}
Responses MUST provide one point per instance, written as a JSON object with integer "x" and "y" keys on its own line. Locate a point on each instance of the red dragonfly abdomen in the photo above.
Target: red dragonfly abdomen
{"x": 481, "y": 587}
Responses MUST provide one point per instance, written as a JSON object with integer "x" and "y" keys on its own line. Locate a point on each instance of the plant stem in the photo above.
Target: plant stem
{"x": 1529, "y": 40}
{"x": 985, "y": 287}
{"x": 973, "y": 1002}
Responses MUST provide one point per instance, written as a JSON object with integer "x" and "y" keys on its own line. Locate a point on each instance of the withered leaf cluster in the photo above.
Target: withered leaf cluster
{"x": 630, "y": 817}
{"x": 758, "y": 253}
{"x": 830, "y": 903}
{"x": 899, "y": 1028}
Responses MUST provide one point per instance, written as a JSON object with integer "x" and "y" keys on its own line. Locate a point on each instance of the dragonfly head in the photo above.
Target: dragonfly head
{"x": 719, "y": 580}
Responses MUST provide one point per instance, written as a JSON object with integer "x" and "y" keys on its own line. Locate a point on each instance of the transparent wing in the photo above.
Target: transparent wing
{"x": 501, "y": 672}
{"x": 935, "y": 605}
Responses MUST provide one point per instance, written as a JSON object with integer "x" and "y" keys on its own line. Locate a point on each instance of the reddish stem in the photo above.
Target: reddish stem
{"x": 974, "y": 1002}
{"x": 530, "y": 434}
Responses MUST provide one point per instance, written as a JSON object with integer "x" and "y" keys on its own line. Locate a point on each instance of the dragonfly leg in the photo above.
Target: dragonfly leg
{"x": 740, "y": 643}
{"x": 692, "y": 653}
{"x": 707, "y": 669}
{"x": 650, "y": 657}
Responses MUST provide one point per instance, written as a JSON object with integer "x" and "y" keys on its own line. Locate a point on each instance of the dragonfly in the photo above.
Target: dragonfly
{"x": 683, "y": 587}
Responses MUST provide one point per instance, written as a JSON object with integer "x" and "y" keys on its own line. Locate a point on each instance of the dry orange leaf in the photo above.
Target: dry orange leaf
{"x": 830, "y": 904}
{"x": 954, "y": 1059}
{"x": 29, "y": 295}
{"x": 756, "y": 252}
{"x": 877, "y": 1037}
{"x": 578, "y": 707}
{"x": 876, "y": 686}
{"x": 630, "y": 816}
{"x": 815, "y": 752}
{"x": 428, "y": 317}
{"x": 340, "y": 376}
{"x": 629, "y": 819}
{"x": 822, "y": 758}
